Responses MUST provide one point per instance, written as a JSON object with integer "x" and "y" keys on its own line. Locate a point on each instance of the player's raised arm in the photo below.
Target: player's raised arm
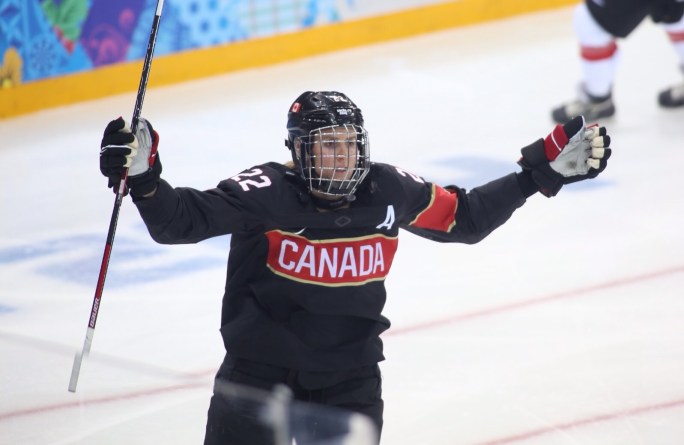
{"x": 570, "y": 153}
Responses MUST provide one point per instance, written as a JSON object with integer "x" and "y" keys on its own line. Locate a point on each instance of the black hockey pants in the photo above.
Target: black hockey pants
{"x": 234, "y": 420}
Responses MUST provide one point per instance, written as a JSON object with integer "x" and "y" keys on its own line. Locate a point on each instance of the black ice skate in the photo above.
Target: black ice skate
{"x": 590, "y": 107}
{"x": 672, "y": 97}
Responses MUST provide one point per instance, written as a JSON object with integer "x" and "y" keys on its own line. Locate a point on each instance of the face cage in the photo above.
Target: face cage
{"x": 339, "y": 171}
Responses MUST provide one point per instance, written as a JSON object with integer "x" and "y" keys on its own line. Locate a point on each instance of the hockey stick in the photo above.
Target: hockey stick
{"x": 78, "y": 359}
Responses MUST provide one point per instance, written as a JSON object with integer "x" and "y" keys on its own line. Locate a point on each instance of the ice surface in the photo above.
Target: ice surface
{"x": 563, "y": 327}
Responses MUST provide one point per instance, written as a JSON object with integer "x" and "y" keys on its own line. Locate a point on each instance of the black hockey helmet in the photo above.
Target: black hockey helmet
{"x": 331, "y": 115}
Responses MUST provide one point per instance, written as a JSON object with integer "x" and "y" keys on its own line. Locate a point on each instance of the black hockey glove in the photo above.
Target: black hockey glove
{"x": 667, "y": 11}
{"x": 120, "y": 149}
{"x": 570, "y": 153}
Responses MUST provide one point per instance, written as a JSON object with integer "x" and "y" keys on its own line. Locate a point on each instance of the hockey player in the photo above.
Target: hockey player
{"x": 598, "y": 24}
{"x": 313, "y": 241}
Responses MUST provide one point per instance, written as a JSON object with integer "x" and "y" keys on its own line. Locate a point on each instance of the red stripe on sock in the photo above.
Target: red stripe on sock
{"x": 676, "y": 36}
{"x": 595, "y": 53}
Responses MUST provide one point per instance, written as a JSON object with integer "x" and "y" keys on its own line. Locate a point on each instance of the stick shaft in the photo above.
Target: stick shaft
{"x": 146, "y": 66}
{"x": 94, "y": 311}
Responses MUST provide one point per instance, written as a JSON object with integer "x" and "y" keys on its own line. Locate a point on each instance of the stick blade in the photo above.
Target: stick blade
{"x": 75, "y": 371}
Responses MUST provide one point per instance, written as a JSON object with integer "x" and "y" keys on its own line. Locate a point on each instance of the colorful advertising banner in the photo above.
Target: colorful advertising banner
{"x": 46, "y": 38}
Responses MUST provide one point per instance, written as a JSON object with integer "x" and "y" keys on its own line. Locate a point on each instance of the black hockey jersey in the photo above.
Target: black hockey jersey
{"x": 305, "y": 287}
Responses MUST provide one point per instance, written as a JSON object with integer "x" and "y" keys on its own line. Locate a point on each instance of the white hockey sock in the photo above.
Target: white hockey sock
{"x": 599, "y": 53}
{"x": 675, "y": 32}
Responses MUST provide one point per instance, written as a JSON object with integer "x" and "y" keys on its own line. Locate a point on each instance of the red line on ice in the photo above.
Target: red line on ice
{"x": 408, "y": 329}
{"x": 582, "y": 422}
{"x": 100, "y": 400}
{"x": 579, "y": 292}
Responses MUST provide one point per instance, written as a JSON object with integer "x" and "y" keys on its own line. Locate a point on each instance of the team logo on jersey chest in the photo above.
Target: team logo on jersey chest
{"x": 337, "y": 262}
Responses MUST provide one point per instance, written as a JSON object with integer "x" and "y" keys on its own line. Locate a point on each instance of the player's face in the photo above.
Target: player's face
{"x": 334, "y": 153}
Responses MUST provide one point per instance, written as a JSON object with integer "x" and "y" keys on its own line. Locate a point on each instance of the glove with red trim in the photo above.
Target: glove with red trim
{"x": 570, "y": 153}
{"x": 120, "y": 149}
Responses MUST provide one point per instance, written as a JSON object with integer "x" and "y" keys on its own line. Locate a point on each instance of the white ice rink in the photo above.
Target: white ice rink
{"x": 564, "y": 327}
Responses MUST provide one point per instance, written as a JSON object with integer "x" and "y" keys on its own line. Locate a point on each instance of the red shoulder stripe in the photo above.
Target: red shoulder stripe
{"x": 440, "y": 214}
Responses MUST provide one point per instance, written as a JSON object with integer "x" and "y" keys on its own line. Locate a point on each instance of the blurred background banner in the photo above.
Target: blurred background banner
{"x": 56, "y": 52}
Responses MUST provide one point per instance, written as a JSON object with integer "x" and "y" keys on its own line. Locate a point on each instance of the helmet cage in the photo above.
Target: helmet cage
{"x": 334, "y": 159}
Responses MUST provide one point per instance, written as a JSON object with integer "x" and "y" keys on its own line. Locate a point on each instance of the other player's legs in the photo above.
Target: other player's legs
{"x": 599, "y": 59}
{"x": 674, "y": 96}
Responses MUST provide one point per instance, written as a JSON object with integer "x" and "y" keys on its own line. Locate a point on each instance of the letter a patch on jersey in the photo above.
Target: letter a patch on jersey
{"x": 389, "y": 219}
{"x": 335, "y": 262}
